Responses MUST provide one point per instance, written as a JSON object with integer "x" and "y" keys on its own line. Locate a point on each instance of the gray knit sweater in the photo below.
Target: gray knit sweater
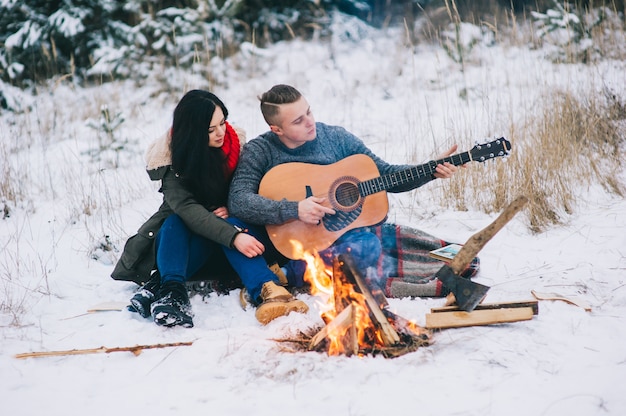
{"x": 259, "y": 155}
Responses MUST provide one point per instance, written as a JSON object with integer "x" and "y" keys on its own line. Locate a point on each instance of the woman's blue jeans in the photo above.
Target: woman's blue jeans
{"x": 364, "y": 247}
{"x": 180, "y": 253}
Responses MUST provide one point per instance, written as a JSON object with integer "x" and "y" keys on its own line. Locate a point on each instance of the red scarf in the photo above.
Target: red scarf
{"x": 231, "y": 149}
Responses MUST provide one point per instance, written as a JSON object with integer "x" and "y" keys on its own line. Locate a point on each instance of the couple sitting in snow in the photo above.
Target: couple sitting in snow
{"x": 211, "y": 224}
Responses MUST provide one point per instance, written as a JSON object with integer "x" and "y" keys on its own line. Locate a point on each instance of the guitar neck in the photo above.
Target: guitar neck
{"x": 410, "y": 175}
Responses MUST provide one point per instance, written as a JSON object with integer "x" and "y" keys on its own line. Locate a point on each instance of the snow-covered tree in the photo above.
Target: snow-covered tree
{"x": 107, "y": 38}
{"x": 568, "y": 29}
{"x": 45, "y": 38}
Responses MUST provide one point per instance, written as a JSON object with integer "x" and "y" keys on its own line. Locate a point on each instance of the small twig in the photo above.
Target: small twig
{"x": 618, "y": 287}
{"x": 137, "y": 349}
{"x": 161, "y": 362}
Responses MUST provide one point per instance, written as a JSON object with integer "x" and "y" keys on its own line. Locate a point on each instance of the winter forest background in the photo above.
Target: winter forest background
{"x": 103, "y": 40}
{"x": 86, "y": 85}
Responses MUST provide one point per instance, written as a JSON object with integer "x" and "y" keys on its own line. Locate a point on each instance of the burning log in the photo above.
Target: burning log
{"x": 362, "y": 324}
{"x": 387, "y": 332}
{"x": 345, "y": 323}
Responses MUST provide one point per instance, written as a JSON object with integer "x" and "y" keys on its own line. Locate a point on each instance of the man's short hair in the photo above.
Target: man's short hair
{"x": 272, "y": 99}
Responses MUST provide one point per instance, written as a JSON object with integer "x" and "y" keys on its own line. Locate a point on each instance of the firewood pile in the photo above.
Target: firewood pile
{"x": 359, "y": 322}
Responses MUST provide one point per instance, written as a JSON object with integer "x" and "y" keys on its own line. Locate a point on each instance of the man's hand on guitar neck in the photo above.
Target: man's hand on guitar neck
{"x": 312, "y": 211}
{"x": 446, "y": 170}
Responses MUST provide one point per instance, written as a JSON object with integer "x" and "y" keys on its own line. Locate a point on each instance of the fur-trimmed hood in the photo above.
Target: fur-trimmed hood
{"x": 158, "y": 153}
{"x": 159, "y": 156}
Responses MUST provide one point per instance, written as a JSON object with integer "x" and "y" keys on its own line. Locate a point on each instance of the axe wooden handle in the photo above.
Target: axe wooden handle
{"x": 477, "y": 241}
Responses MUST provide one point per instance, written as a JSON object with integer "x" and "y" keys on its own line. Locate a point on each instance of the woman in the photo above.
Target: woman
{"x": 194, "y": 163}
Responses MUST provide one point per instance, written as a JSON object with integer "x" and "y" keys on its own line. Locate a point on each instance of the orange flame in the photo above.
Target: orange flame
{"x": 320, "y": 277}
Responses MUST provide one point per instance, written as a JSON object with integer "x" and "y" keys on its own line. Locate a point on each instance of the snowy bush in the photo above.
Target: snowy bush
{"x": 459, "y": 40}
{"x": 567, "y": 29}
{"x": 110, "y": 145}
{"x": 104, "y": 251}
{"x": 349, "y": 29}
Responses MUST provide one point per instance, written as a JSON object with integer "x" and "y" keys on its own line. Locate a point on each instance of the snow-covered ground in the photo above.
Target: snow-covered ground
{"x": 406, "y": 107}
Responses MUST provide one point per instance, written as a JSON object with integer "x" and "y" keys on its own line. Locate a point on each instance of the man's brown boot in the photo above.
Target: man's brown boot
{"x": 277, "y": 301}
{"x": 244, "y": 297}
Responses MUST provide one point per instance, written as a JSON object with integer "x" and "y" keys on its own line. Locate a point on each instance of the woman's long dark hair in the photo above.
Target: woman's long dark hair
{"x": 202, "y": 167}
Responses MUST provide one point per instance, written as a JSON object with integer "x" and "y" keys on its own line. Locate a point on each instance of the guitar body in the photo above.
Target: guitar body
{"x": 338, "y": 183}
{"x": 354, "y": 188}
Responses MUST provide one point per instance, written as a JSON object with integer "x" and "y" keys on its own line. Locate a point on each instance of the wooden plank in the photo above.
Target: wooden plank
{"x": 497, "y": 305}
{"x": 108, "y": 306}
{"x": 457, "y": 319}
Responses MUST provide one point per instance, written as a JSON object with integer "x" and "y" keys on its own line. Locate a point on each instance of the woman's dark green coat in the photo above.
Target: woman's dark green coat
{"x": 138, "y": 258}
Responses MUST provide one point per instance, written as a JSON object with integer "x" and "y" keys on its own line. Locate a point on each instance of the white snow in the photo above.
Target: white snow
{"x": 403, "y": 100}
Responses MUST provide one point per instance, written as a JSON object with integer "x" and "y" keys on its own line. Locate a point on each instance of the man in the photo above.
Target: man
{"x": 294, "y": 136}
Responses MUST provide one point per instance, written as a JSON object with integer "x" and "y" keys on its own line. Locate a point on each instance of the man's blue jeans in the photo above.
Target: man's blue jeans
{"x": 364, "y": 246}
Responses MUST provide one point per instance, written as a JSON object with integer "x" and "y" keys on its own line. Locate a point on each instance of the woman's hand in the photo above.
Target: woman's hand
{"x": 248, "y": 245}
{"x": 221, "y": 212}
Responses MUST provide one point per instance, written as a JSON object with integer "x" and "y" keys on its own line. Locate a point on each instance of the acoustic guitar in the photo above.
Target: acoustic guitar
{"x": 354, "y": 188}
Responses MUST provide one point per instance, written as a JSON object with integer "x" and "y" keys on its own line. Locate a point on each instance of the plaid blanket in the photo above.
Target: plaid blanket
{"x": 405, "y": 269}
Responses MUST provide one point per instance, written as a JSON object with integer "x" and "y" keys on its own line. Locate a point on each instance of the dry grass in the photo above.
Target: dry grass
{"x": 571, "y": 145}
{"x": 9, "y": 182}
{"x": 44, "y": 169}
{"x": 515, "y": 25}
{"x": 23, "y": 273}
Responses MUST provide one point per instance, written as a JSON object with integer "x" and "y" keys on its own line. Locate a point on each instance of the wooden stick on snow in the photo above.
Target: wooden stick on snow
{"x": 137, "y": 349}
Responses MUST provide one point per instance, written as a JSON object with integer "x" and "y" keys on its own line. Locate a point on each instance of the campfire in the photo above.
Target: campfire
{"x": 357, "y": 316}
{"x": 358, "y": 321}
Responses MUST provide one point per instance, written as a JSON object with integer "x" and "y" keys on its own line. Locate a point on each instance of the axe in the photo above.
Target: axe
{"x": 468, "y": 294}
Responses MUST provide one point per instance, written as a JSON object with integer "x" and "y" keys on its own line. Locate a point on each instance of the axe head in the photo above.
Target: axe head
{"x": 468, "y": 294}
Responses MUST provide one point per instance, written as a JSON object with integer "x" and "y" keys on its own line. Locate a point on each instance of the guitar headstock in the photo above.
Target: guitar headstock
{"x": 485, "y": 151}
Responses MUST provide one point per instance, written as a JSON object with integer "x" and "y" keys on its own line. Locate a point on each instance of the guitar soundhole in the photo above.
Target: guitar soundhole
{"x": 345, "y": 194}
{"x": 346, "y": 201}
